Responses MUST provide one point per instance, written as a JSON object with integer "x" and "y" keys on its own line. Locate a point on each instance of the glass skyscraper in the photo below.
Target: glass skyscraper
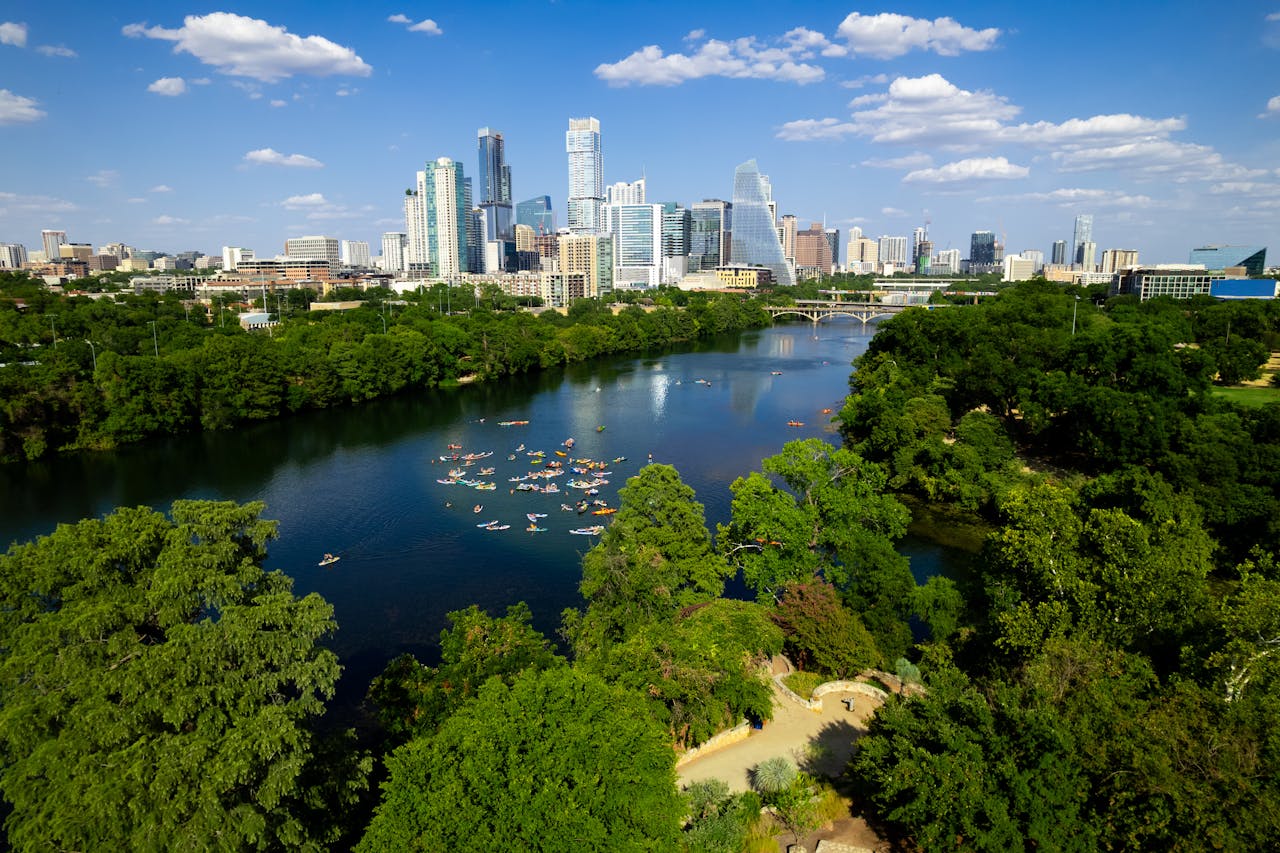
{"x": 1083, "y": 234}
{"x": 709, "y": 235}
{"x": 755, "y": 239}
{"x": 537, "y": 214}
{"x": 586, "y": 175}
{"x": 495, "y": 185}
{"x": 1252, "y": 258}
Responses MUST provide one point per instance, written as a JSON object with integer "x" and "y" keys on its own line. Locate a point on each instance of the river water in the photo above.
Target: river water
{"x": 362, "y": 482}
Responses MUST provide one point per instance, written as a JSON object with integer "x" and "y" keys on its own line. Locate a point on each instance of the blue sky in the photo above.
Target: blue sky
{"x": 189, "y": 127}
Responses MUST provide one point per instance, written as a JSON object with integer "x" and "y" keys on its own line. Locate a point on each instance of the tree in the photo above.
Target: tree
{"x": 790, "y": 793}
{"x": 157, "y": 684}
{"x": 718, "y": 821}
{"x": 414, "y": 699}
{"x": 557, "y": 758}
{"x": 823, "y": 635}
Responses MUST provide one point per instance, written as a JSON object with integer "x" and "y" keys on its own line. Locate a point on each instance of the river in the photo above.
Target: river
{"x": 361, "y": 482}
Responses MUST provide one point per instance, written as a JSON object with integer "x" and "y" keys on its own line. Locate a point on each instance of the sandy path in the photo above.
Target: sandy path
{"x": 819, "y": 742}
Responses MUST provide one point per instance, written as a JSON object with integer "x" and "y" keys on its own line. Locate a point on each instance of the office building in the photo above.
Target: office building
{"x": 51, "y": 241}
{"x": 709, "y": 242}
{"x": 1088, "y": 258}
{"x": 1216, "y": 257}
{"x": 918, "y": 236}
{"x": 755, "y": 240}
{"x": 537, "y": 214}
{"x": 1059, "y": 253}
{"x": 436, "y": 220}
{"x": 1017, "y": 268}
{"x": 982, "y": 252}
{"x": 586, "y": 175}
{"x": 945, "y": 262}
{"x": 12, "y": 256}
{"x": 637, "y": 234}
{"x": 232, "y": 256}
{"x": 592, "y": 257}
{"x": 864, "y": 255}
{"x": 625, "y": 193}
{"x": 1035, "y": 256}
{"x": 314, "y": 248}
{"x": 355, "y": 254}
{"x": 1082, "y": 234}
{"x": 893, "y": 250}
{"x": 924, "y": 256}
{"x": 1180, "y": 281}
{"x": 120, "y": 250}
{"x": 1114, "y": 260}
{"x": 833, "y": 240}
{"x": 813, "y": 251}
{"x": 789, "y": 229}
{"x": 495, "y": 185}
{"x": 394, "y": 244}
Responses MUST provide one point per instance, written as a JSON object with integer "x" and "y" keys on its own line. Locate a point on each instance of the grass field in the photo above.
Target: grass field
{"x": 1250, "y": 396}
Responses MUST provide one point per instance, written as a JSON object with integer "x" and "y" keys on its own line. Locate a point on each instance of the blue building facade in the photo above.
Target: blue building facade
{"x": 1252, "y": 258}
{"x": 755, "y": 238}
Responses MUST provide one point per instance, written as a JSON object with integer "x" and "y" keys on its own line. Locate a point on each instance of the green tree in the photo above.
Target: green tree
{"x": 719, "y": 822}
{"x": 558, "y": 757}
{"x": 414, "y": 699}
{"x": 157, "y": 685}
{"x": 822, "y": 635}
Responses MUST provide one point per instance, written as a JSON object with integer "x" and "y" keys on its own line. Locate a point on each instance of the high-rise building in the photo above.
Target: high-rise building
{"x": 1088, "y": 256}
{"x": 495, "y": 185}
{"x": 1017, "y": 268}
{"x": 864, "y": 254}
{"x": 982, "y": 252}
{"x": 1082, "y": 234}
{"x": 313, "y": 249}
{"x": 833, "y": 239}
{"x": 924, "y": 256}
{"x": 12, "y": 256}
{"x": 1114, "y": 260}
{"x": 709, "y": 242}
{"x": 1059, "y": 253}
{"x": 355, "y": 254}
{"x": 120, "y": 250}
{"x": 893, "y": 250}
{"x": 586, "y": 175}
{"x": 790, "y": 227}
{"x": 813, "y": 250}
{"x": 625, "y": 193}
{"x": 592, "y": 256}
{"x": 755, "y": 240}
{"x": 52, "y": 240}
{"x": 637, "y": 234}
{"x": 1252, "y": 258}
{"x": 1035, "y": 256}
{"x": 537, "y": 214}
{"x": 677, "y": 230}
{"x": 945, "y": 262}
{"x": 918, "y": 235}
{"x": 232, "y": 256}
{"x": 438, "y": 221}
{"x": 394, "y": 244}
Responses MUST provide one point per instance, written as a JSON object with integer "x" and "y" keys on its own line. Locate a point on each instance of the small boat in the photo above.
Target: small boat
{"x": 551, "y": 489}
{"x": 511, "y": 458}
{"x": 489, "y": 523}
{"x": 534, "y": 516}
{"x": 569, "y": 442}
{"x": 499, "y": 527}
{"x": 477, "y": 509}
{"x": 600, "y": 428}
{"x": 455, "y": 446}
{"x": 512, "y": 423}
{"x": 618, "y": 459}
{"x": 593, "y": 530}
{"x": 328, "y": 560}
{"x": 777, "y": 373}
{"x": 583, "y": 506}
{"x": 561, "y": 453}
{"x": 826, "y": 411}
{"x": 609, "y": 510}
{"x": 795, "y": 423}
{"x": 448, "y": 481}
{"x": 566, "y": 508}
{"x": 521, "y": 447}
{"x": 533, "y": 528}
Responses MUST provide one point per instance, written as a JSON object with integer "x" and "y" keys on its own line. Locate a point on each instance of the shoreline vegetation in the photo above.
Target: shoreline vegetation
{"x": 1103, "y": 676}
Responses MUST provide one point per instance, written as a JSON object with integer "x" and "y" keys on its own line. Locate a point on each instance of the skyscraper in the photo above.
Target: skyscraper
{"x": 982, "y": 252}
{"x": 637, "y": 232}
{"x": 12, "y": 256}
{"x": 436, "y": 220}
{"x": 625, "y": 193}
{"x": 813, "y": 249}
{"x": 1083, "y": 234}
{"x": 833, "y": 238}
{"x": 52, "y": 240}
{"x": 1059, "y": 253}
{"x": 393, "y": 247}
{"x": 709, "y": 242}
{"x": 755, "y": 240}
{"x": 314, "y": 249}
{"x": 893, "y": 250}
{"x": 790, "y": 227}
{"x": 495, "y": 185}
{"x": 355, "y": 253}
{"x": 537, "y": 214}
{"x": 586, "y": 175}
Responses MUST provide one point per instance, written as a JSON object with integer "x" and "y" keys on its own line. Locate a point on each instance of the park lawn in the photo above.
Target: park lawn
{"x": 1250, "y": 395}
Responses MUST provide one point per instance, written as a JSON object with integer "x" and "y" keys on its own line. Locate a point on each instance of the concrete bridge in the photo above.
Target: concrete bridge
{"x": 816, "y": 310}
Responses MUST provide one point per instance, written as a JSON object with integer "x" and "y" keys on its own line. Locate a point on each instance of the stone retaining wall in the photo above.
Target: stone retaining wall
{"x": 719, "y": 741}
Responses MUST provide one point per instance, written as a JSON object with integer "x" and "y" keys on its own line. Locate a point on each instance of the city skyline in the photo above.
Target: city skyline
{"x": 245, "y": 129}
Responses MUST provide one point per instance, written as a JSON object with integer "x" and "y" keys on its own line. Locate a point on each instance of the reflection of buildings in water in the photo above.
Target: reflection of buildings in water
{"x": 782, "y": 345}
{"x": 589, "y": 409}
{"x": 658, "y": 386}
{"x": 744, "y": 395}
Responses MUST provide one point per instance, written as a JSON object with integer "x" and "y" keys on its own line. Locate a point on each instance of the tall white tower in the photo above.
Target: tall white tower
{"x": 586, "y": 175}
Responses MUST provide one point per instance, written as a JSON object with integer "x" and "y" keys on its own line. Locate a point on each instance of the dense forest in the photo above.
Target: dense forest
{"x": 1104, "y": 677}
{"x": 91, "y": 373}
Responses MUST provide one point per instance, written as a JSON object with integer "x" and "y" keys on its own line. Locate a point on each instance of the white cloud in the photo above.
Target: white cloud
{"x": 973, "y": 169}
{"x": 303, "y": 202}
{"x": 170, "y": 86}
{"x": 200, "y": 81}
{"x": 250, "y": 47}
{"x": 1273, "y": 108}
{"x": 279, "y": 103}
{"x": 136, "y": 200}
{"x": 808, "y": 129}
{"x": 161, "y": 188}
{"x": 892, "y": 211}
{"x": 1075, "y": 197}
{"x": 859, "y": 82}
{"x": 695, "y": 35}
{"x": 56, "y": 50}
{"x": 427, "y": 26}
{"x": 166, "y": 219}
{"x": 399, "y": 18}
{"x": 272, "y": 157}
{"x": 919, "y": 160}
{"x": 16, "y": 108}
{"x": 887, "y": 35}
{"x": 739, "y": 59}
{"x": 104, "y": 178}
{"x": 1156, "y": 158}
{"x": 13, "y": 33}
{"x": 34, "y": 204}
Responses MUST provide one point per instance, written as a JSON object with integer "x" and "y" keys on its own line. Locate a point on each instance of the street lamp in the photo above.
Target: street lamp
{"x": 384, "y": 323}
{"x": 94, "y": 352}
{"x": 54, "y": 328}
{"x": 1074, "y": 308}
{"x": 155, "y": 342}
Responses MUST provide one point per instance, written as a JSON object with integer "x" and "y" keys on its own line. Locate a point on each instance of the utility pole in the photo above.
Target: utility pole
{"x": 94, "y": 352}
